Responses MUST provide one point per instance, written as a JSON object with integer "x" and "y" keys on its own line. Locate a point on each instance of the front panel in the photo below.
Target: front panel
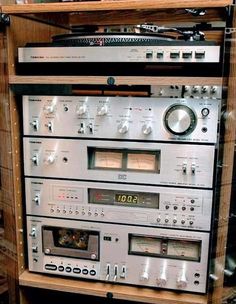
{"x": 154, "y": 257}
{"x": 115, "y": 161}
{"x": 162, "y": 119}
{"x": 120, "y": 203}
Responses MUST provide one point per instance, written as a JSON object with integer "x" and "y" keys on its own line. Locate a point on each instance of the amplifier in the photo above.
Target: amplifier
{"x": 143, "y": 256}
{"x": 139, "y": 118}
{"x": 120, "y": 203}
{"x": 116, "y": 161}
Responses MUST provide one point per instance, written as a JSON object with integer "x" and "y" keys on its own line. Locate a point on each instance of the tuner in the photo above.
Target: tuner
{"x": 180, "y": 120}
{"x": 123, "y": 127}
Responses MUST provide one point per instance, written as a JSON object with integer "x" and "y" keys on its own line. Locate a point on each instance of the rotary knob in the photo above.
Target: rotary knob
{"x": 81, "y": 110}
{"x": 147, "y": 129}
{"x": 123, "y": 127}
{"x": 49, "y": 109}
{"x": 182, "y": 280}
{"x": 180, "y": 120}
{"x": 102, "y": 110}
{"x": 144, "y": 276}
{"x": 162, "y": 279}
{"x": 50, "y": 159}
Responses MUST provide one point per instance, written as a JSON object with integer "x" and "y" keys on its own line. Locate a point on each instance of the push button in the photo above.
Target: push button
{"x": 77, "y": 270}
{"x": 68, "y": 269}
{"x": 85, "y": 271}
{"x": 92, "y": 272}
{"x": 61, "y": 268}
{"x": 50, "y": 267}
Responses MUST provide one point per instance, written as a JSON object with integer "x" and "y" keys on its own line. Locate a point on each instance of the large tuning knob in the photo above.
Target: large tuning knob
{"x": 180, "y": 120}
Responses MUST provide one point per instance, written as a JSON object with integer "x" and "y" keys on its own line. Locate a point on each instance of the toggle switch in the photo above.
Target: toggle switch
{"x": 193, "y": 169}
{"x": 90, "y": 127}
{"x": 36, "y": 199}
{"x": 123, "y": 272}
{"x": 35, "y": 159}
{"x": 49, "y": 125}
{"x": 184, "y": 168}
{"x": 35, "y": 125}
{"x": 81, "y": 128}
{"x": 33, "y": 233}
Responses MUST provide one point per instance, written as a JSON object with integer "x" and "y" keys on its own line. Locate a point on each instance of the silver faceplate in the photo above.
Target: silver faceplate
{"x": 116, "y": 264}
{"x": 179, "y": 164}
{"x": 105, "y": 117}
{"x": 177, "y": 208}
{"x": 148, "y": 54}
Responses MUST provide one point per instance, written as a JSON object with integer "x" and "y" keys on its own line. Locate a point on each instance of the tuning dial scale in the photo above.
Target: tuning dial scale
{"x": 180, "y": 120}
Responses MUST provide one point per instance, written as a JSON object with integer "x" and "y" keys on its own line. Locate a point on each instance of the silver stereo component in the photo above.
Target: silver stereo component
{"x": 188, "y": 120}
{"x": 116, "y": 161}
{"x": 120, "y": 203}
{"x": 143, "y": 256}
{"x": 175, "y": 53}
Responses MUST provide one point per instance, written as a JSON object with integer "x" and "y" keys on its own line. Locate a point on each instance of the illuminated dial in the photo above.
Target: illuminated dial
{"x": 180, "y": 120}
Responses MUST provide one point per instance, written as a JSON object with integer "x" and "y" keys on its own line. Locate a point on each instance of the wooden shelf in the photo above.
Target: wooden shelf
{"x": 119, "y": 80}
{"x": 145, "y": 295}
{"x": 111, "y": 5}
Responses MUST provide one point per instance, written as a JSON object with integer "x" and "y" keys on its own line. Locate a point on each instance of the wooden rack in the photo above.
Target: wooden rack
{"x": 38, "y": 22}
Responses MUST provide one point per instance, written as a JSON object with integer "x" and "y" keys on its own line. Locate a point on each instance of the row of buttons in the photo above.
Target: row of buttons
{"x": 183, "y": 222}
{"x": 177, "y": 54}
{"x": 176, "y": 208}
{"x": 68, "y": 269}
{"x": 77, "y": 212}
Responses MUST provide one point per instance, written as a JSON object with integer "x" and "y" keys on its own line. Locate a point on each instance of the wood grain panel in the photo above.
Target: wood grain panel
{"x": 112, "y": 5}
{"x": 5, "y": 150}
{"x": 119, "y": 80}
{"x": 159, "y": 17}
{"x": 31, "y": 31}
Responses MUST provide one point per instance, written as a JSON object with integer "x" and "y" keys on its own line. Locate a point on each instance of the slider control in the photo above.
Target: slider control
{"x": 108, "y": 272}
{"x": 115, "y": 273}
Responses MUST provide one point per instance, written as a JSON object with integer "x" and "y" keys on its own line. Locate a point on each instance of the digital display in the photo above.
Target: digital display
{"x": 126, "y": 198}
{"x": 123, "y": 198}
{"x": 141, "y": 161}
{"x": 106, "y": 159}
{"x": 163, "y": 247}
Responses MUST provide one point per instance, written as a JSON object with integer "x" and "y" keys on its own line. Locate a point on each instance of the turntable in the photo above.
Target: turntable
{"x": 119, "y": 47}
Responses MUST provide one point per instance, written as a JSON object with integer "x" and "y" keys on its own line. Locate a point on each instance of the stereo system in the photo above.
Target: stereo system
{"x": 120, "y": 188}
